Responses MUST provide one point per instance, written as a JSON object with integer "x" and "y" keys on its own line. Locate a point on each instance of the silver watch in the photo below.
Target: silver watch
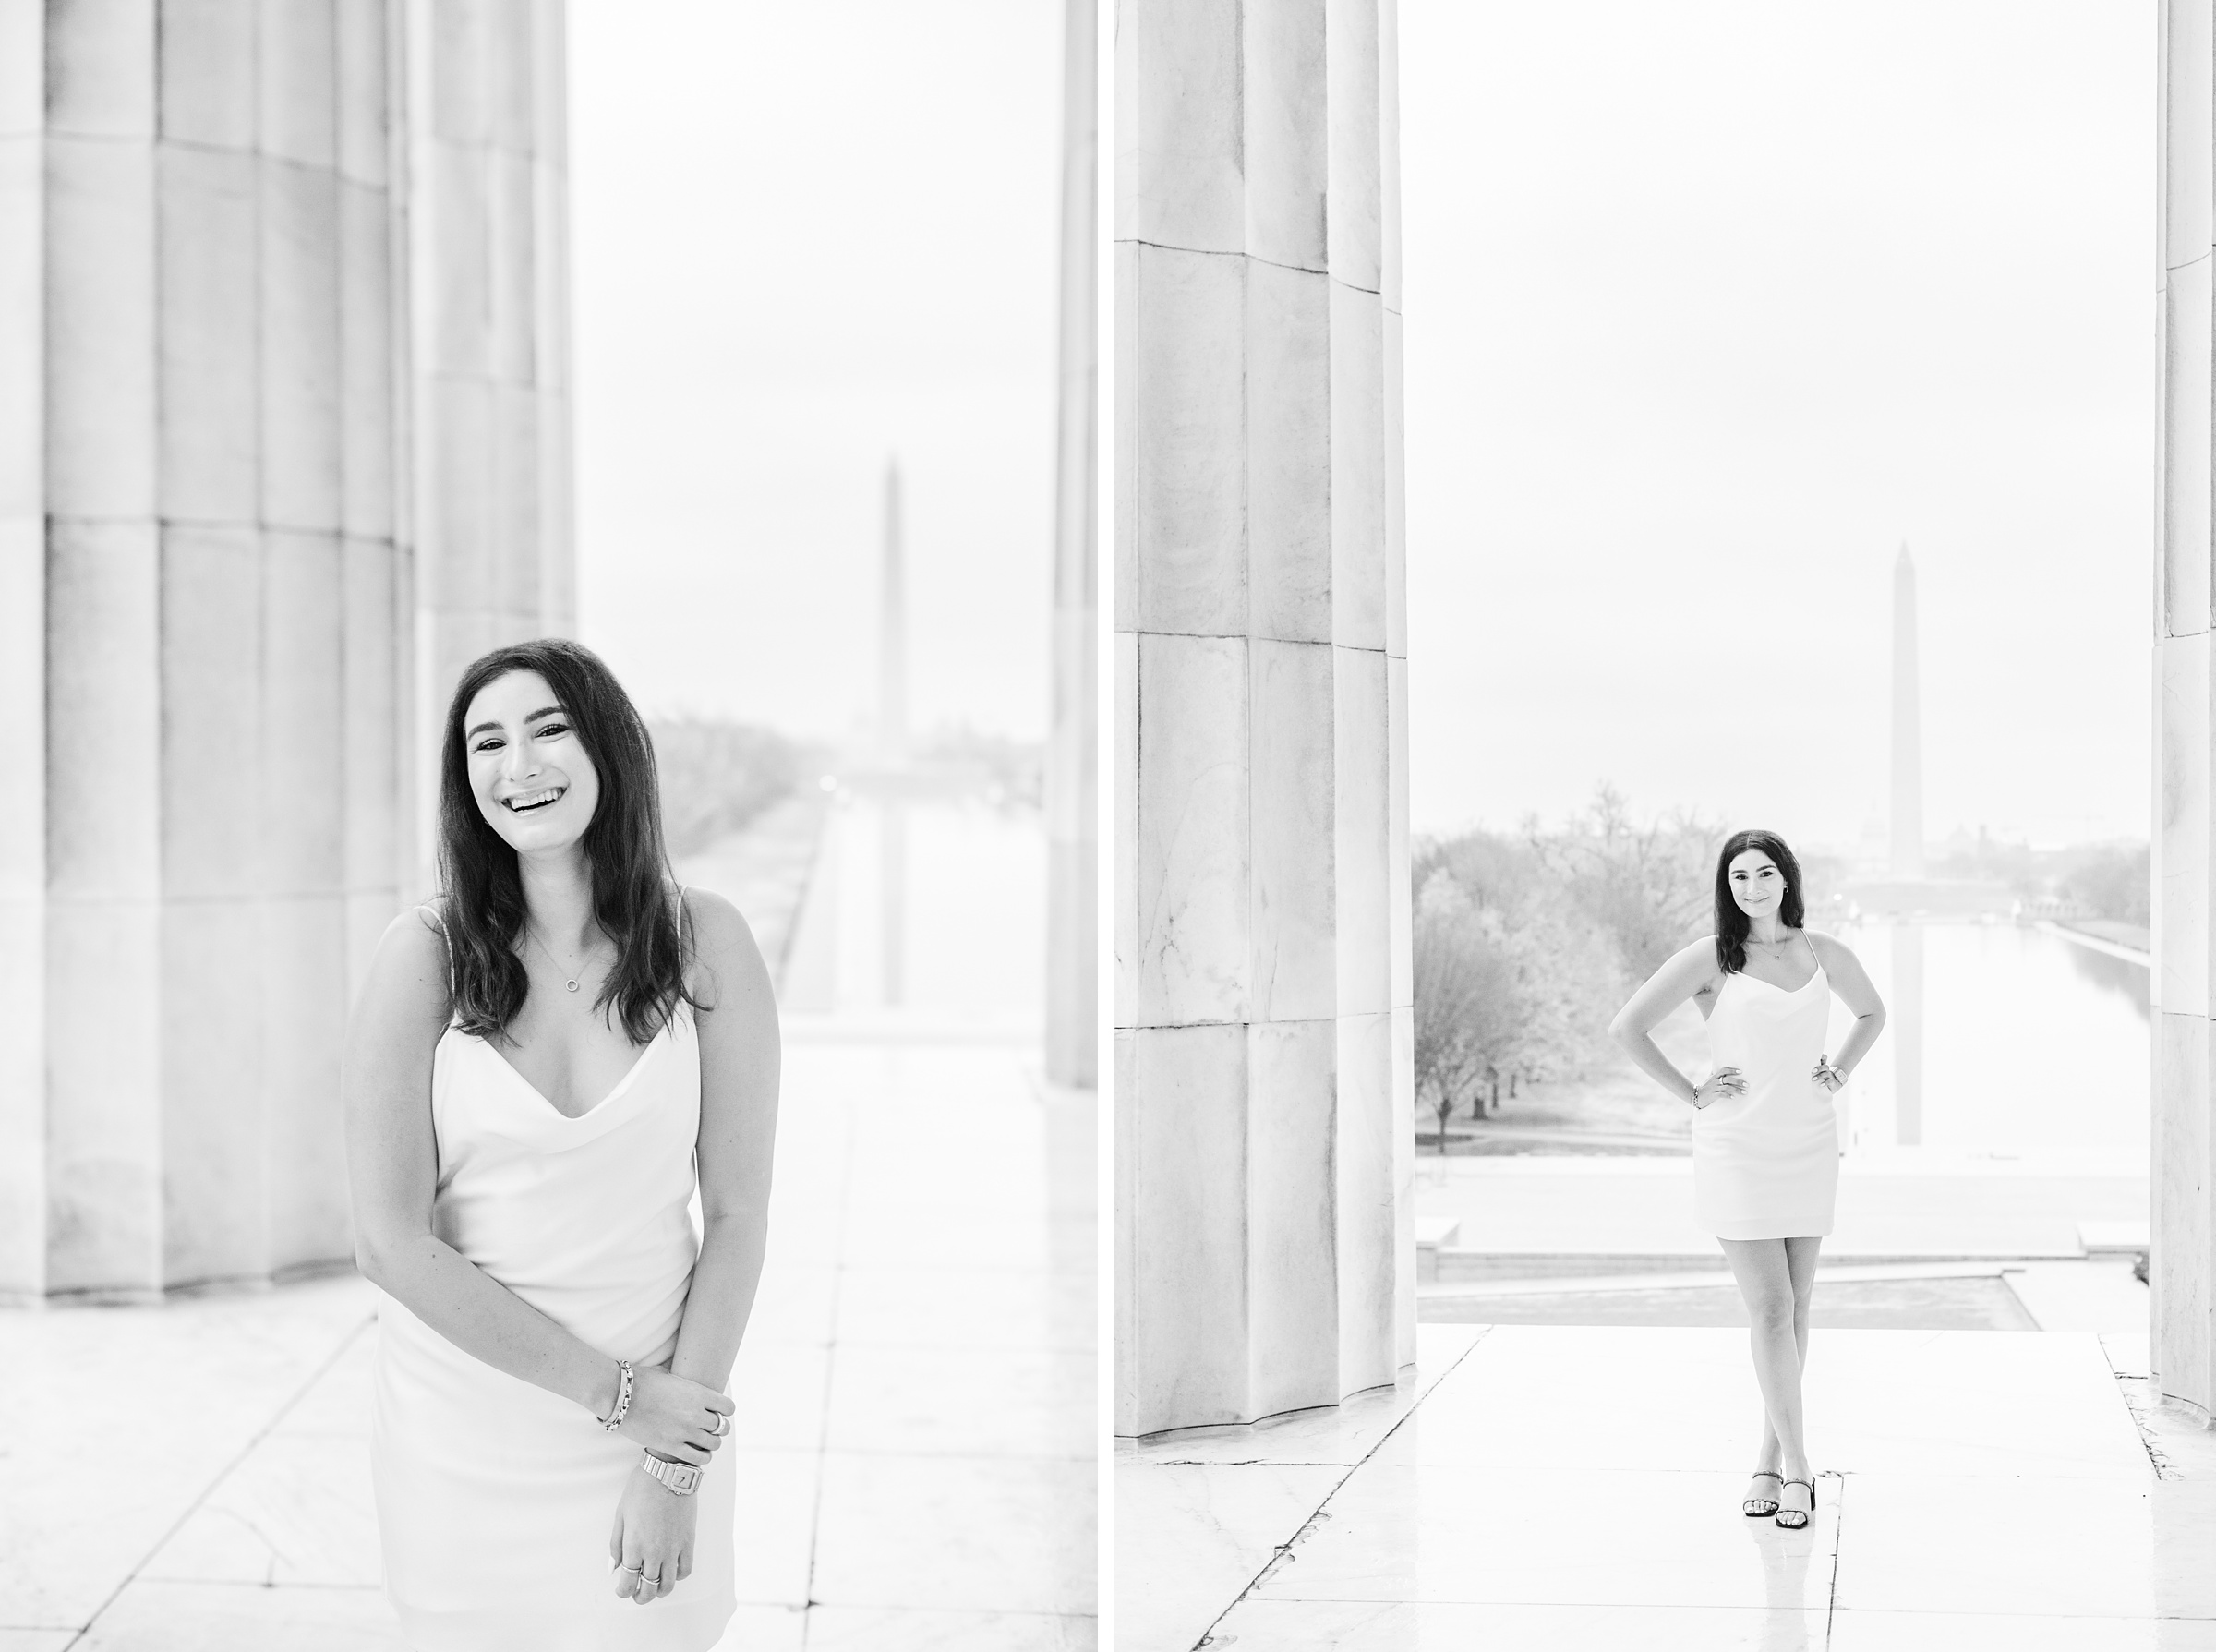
{"x": 680, "y": 1477}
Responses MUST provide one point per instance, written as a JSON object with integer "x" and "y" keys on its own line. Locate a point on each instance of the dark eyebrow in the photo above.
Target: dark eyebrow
{"x": 542, "y": 711}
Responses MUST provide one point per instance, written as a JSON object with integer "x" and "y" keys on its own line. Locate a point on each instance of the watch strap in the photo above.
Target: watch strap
{"x": 680, "y": 1477}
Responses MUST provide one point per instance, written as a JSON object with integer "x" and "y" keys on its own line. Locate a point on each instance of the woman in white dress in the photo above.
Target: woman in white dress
{"x": 535, "y": 1066}
{"x": 1766, "y": 1147}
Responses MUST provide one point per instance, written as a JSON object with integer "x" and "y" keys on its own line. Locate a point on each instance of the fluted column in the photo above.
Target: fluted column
{"x": 212, "y": 471}
{"x": 490, "y": 368}
{"x": 1264, "y": 1098}
{"x": 1073, "y": 855}
{"x": 202, "y": 582}
{"x": 2184, "y": 1169}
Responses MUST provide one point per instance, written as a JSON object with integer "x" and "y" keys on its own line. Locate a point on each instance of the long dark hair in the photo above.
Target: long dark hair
{"x": 623, "y": 849}
{"x": 1732, "y": 924}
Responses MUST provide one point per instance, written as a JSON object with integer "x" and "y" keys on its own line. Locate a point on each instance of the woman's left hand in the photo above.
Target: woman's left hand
{"x": 651, "y": 1547}
{"x": 1827, "y": 1075}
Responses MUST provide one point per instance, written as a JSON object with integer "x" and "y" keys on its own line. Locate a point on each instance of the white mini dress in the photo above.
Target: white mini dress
{"x": 495, "y": 1498}
{"x": 1766, "y": 1163}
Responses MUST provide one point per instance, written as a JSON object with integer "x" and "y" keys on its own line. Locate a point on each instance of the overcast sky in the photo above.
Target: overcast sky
{"x": 1708, "y": 306}
{"x": 807, "y": 238}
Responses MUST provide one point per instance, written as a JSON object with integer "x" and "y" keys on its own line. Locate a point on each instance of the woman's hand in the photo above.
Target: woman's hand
{"x": 1722, "y": 1083}
{"x": 651, "y": 1547}
{"x": 1828, "y": 1075}
{"x": 674, "y": 1416}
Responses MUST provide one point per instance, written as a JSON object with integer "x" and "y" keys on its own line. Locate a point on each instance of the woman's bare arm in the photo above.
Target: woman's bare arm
{"x": 1680, "y": 976}
{"x": 1853, "y": 985}
{"x": 392, "y": 1162}
{"x": 740, "y": 1057}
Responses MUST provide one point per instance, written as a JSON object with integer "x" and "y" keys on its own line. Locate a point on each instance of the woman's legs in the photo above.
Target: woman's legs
{"x": 1777, "y": 1279}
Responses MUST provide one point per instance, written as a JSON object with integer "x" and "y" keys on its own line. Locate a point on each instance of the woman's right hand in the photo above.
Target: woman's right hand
{"x": 1722, "y": 1084}
{"x": 674, "y": 1416}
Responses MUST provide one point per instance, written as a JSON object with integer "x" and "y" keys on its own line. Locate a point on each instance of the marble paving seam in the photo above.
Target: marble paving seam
{"x": 1277, "y": 1559}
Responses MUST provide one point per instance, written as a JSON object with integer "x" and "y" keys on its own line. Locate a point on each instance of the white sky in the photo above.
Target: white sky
{"x": 1708, "y": 306}
{"x": 806, "y": 238}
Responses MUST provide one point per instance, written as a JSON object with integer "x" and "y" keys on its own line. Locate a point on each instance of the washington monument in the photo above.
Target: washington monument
{"x": 1908, "y": 745}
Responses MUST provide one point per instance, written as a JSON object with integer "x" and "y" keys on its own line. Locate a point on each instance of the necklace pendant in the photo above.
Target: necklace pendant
{"x": 570, "y": 985}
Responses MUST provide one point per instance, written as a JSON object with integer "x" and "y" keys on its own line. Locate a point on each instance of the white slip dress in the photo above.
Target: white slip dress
{"x": 1766, "y": 1163}
{"x": 495, "y": 1499}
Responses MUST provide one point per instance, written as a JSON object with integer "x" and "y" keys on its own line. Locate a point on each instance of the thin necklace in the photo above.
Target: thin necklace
{"x": 567, "y": 981}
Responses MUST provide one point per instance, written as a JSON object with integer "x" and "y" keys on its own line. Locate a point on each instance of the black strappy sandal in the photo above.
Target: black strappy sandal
{"x": 1746, "y": 1504}
{"x": 1794, "y": 1526}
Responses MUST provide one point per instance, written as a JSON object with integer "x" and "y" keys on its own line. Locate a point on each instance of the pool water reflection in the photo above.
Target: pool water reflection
{"x": 2001, "y": 1040}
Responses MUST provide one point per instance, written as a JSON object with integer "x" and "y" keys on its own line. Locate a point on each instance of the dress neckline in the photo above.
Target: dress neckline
{"x": 1789, "y": 991}
{"x": 539, "y": 1096}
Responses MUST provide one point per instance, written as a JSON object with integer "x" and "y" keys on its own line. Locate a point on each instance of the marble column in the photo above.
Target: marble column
{"x": 1072, "y": 787}
{"x": 1264, "y": 1099}
{"x": 2184, "y": 1169}
{"x": 490, "y": 370}
{"x": 208, "y": 607}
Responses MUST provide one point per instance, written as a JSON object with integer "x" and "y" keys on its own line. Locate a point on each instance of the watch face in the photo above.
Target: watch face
{"x": 681, "y": 1477}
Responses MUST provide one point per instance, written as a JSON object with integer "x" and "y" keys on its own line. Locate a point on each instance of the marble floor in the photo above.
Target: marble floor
{"x": 915, "y": 1403}
{"x": 1552, "y": 1487}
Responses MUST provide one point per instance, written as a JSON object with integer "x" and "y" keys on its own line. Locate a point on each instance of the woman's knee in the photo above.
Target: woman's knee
{"x": 1773, "y": 1313}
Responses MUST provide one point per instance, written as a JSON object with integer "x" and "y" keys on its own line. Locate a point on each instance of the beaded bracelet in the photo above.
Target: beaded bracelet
{"x": 622, "y": 1400}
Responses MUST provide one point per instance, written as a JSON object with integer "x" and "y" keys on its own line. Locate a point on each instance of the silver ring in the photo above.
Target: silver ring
{"x": 640, "y": 1569}
{"x": 723, "y": 1425}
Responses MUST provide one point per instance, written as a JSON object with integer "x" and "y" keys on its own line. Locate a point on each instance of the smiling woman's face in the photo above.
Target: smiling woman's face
{"x": 527, "y": 769}
{"x": 1756, "y": 883}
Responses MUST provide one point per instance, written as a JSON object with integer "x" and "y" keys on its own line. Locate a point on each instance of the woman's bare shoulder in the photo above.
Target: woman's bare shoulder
{"x": 408, "y": 972}
{"x": 723, "y": 943}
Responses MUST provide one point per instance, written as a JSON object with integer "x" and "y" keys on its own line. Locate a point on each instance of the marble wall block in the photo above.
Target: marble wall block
{"x": 1180, "y": 126}
{"x": 2182, "y": 823}
{"x": 296, "y": 62}
{"x": 215, "y": 1144}
{"x": 301, "y": 313}
{"x": 1285, "y": 107}
{"x": 2181, "y": 1191}
{"x": 22, "y": 329}
{"x": 100, "y": 69}
{"x": 104, "y": 710}
{"x": 2184, "y": 466}
{"x": 210, "y": 356}
{"x": 1361, "y": 833}
{"x": 1123, "y": 877}
{"x": 1388, "y": 164}
{"x": 307, "y": 1218}
{"x": 2186, "y": 47}
{"x": 1125, "y": 413}
{"x": 1189, "y": 1339}
{"x": 1289, "y": 453}
{"x": 1400, "y": 896}
{"x": 1395, "y": 503}
{"x": 1403, "y": 1179}
{"x": 212, "y": 813}
{"x": 1367, "y": 1206}
{"x": 1291, "y": 1236}
{"x": 99, "y": 413}
{"x": 210, "y": 96}
{"x": 1357, "y": 473}
{"x": 368, "y": 478}
{"x": 1193, "y": 855}
{"x": 103, "y": 1158}
{"x": 1190, "y": 443}
{"x": 1292, "y": 784}
{"x": 1353, "y": 161}
{"x": 22, "y": 70}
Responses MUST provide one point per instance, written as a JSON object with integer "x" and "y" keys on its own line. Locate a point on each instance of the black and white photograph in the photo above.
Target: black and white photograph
{"x": 547, "y": 898}
{"x": 1107, "y": 826}
{"x": 1662, "y": 852}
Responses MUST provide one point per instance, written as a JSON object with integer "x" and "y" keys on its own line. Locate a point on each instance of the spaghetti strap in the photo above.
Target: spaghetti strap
{"x": 439, "y": 918}
{"x": 1812, "y": 957}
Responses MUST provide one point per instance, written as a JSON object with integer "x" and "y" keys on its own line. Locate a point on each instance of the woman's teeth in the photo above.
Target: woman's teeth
{"x": 536, "y": 800}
